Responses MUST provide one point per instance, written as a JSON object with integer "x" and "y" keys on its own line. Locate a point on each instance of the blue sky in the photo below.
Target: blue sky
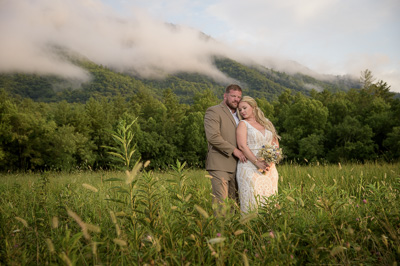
{"x": 335, "y": 37}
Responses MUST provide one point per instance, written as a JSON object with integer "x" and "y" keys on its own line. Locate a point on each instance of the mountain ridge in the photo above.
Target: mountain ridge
{"x": 256, "y": 80}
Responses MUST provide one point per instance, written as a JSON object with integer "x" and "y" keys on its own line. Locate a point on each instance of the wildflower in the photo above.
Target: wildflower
{"x": 357, "y": 206}
{"x": 218, "y": 234}
{"x": 291, "y": 256}
{"x": 365, "y": 201}
{"x": 271, "y": 234}
{"x": 245, "y": 250}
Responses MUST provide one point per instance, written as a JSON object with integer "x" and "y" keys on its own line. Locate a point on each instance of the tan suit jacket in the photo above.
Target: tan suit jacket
{"x": 220, "y": 128}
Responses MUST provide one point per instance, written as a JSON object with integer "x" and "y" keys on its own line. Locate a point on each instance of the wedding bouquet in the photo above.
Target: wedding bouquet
{"x": 271, "y": 153}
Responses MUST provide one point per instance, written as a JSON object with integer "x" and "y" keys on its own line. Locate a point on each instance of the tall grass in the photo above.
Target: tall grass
{"x": 323, "y": 214}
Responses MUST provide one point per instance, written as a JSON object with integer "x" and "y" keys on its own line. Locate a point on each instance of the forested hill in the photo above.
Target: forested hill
{"x": 48, "y": 123}
{"x": 257, "y": 81}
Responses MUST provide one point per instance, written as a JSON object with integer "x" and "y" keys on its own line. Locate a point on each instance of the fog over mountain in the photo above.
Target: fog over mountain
{"x": 32, "y": 32}
{"x": 140, "y": 44}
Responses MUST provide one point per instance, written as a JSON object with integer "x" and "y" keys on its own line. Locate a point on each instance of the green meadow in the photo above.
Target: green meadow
{"x": 323, "y": 214}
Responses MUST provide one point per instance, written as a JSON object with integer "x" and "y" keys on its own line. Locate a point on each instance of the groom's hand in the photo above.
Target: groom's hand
{"x": 239, "y": 154}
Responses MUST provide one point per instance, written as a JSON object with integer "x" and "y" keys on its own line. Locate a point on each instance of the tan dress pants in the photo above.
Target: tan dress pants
{"x": 224, "y": 185}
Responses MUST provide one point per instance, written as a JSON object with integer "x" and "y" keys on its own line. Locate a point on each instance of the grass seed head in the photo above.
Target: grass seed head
{"x": 336, "y": 250}
{"x": 50, "y": 245}
{"x": 245, "y": 259}
{"x": 113, "y": 218}
{"x": 94, "y": 248}
{"x": 290, "y": 198}
{"x": 238, "y": 232}
{"x": 23, "y": 221}
{"x": 248, "y": 217}
{"x": 90, "y": 187}
{"x": 54, "y": 222}
{"x": 93, "y": 228}
{"x": 385, "y": 241}
{"x": 120, "y": 242}
{"x": 80, "y": 223}
{"x": 216, "y": 240}
{"x": 132, "y": 174}
{"x": 65, "y": 258}
{"x": 201, "y": 211}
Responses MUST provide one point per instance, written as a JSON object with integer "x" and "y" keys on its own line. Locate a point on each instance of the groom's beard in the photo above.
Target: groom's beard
{"x": 232, "y": 105}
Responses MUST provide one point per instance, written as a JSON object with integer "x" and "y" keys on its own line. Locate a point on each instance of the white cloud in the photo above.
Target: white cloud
{"x": 140, "y": 43}
{"x": 329, "y": 37}
{"x": 323, "y": 35}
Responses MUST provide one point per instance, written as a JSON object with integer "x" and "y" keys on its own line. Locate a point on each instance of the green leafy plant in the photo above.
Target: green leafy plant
{"x": 323, "y": 214}
{"x": 124, "y": 147}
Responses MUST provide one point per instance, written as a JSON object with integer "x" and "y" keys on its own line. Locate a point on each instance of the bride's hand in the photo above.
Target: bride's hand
{"x": 262, "y": 165}
{"x": 268, "y": 167}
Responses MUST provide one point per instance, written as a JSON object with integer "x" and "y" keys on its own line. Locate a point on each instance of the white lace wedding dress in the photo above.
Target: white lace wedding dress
{"x": 255, "y": 187}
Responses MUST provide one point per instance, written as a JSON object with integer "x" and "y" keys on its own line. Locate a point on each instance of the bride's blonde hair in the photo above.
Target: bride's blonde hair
{"x": 259, "y": 116}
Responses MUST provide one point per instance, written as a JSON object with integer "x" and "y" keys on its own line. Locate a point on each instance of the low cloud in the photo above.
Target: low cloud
{"x": 139, "y": 44}
{"x": 322, "y": 35}
{"x": 133, "y": 41}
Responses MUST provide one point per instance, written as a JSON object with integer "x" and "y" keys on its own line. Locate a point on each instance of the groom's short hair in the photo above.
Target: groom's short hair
{"x": 233, "y": 87}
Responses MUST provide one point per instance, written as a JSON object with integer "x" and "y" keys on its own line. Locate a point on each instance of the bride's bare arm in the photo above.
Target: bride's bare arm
{"x": 275, "y": 142}
{"x": 241, "y": 139}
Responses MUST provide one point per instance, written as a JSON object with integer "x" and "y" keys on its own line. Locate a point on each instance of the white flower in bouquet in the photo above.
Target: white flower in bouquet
{"x": 271, "y": 153}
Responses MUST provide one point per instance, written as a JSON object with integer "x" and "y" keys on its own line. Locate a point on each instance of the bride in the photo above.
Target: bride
{"x": 256, "y": 179}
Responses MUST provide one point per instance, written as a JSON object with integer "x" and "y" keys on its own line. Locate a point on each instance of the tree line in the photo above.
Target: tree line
{"x": 328, "y": 127}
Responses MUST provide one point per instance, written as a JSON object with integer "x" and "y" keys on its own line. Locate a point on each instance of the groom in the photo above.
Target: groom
{"x": 220, "y": 123}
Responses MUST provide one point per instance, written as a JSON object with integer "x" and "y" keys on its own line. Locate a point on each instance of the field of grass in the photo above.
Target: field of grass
{"x": 323, "y": 214}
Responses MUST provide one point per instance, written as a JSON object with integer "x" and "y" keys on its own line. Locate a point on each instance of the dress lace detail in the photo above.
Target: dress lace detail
{"x": 255, "y": 187}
